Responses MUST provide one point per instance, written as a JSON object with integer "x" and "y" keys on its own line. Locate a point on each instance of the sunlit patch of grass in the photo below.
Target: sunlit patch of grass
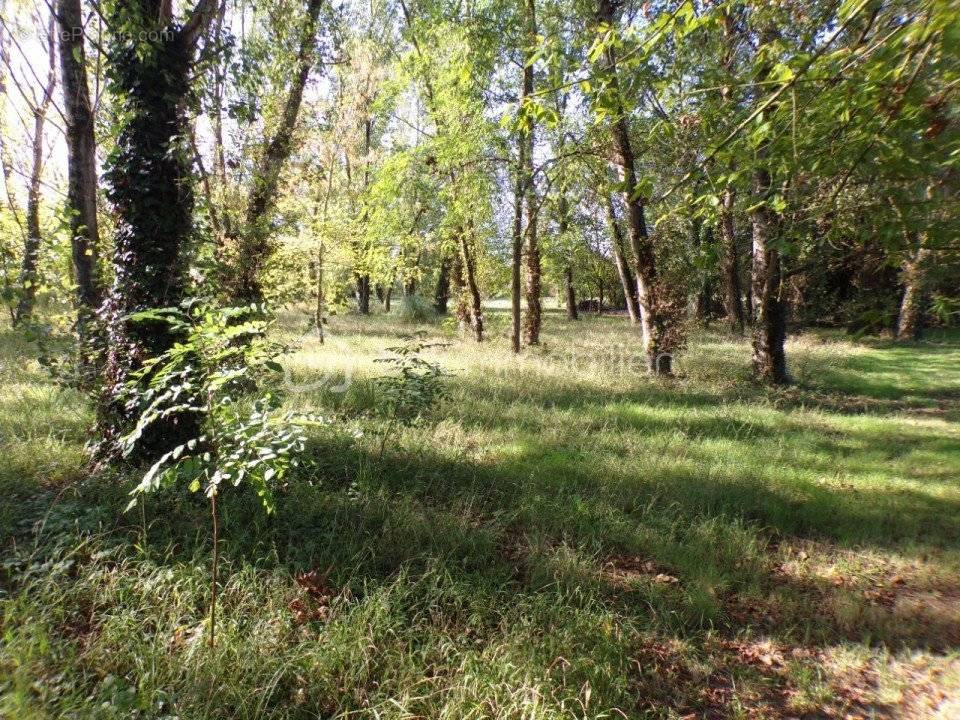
{"x": 563, "y": 535}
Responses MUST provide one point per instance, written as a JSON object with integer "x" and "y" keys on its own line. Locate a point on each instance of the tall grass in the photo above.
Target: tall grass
{"x": 564, "y": 537}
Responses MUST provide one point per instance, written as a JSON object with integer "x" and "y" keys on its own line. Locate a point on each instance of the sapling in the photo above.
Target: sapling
{"x": 413, "y": 389}
{"x": 216, "y": 372}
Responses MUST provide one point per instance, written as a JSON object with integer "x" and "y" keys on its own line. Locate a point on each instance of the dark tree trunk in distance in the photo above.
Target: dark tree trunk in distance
{"x": 732, "y": 302}
{"x": 572, "y": 312}
{"x": 363, "y": 294}
{"x": 442, "y": 294}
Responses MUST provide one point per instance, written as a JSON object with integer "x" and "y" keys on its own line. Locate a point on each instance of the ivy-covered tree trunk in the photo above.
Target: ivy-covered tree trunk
{"x": 150, "y": 186}
{"x": 81, "y": 167}
{"x": 29, "y": 276}
{"x": 770, "y": 323}
{"x": 914, "y": 274}
{"x": 620, "y": 260}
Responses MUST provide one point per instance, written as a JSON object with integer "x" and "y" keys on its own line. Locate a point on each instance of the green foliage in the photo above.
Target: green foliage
{"x": 416, "y": 310}
{"x": 416, "y": 384}
{"x": 223, "y": 359}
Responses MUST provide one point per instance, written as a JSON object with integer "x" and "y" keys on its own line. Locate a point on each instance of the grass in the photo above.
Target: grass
{"x": 564, "y": 537}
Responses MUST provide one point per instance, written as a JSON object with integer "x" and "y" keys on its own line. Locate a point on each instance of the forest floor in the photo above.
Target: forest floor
{"x": 564, "y": 537}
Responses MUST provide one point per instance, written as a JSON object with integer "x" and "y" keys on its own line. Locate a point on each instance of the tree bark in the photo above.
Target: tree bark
{"x": 532, "y": 282}
{"x": 733, "y": 290}
{"x": 516, "y": 261}
{"x": 459, "y": 292}
{"x": 81, "y": 167}
{"x": 150, "y": 187}
{"x": 770, "y": 327}
{"x": 29, "y": 276}
{"x": 256, "y": 243}
{"x": 572, "y": 312}
{"x": 653, "y": 322}
{"x": 623, "y": 270}
{"x": 914, "y": 278}
{"x": 363, "y": 294}
{"x": 319, "y": 311}
{"x": 469, "y": 273}
{"x": 732, "y": 295}
{"x": 442, "y": 294}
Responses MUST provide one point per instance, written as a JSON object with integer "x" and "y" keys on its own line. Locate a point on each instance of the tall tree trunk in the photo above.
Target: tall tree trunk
{"x": 29, "y": 277}
{"x": 767, "y": 287}
{"x": 150, "y": 187}
{"x": 914, "y": 277}
{"x": 531, "y": 251}
{"x": 620, "y": 260}
{"x": 470, "y": 275}
{"x": 653, "y": 322}
{"x": 319, "y": 310}
{"x": 459, "y": 292}
{"x": 363, "y": 294}
{"x": 442, "y": 294}
{"x": 257, "y": 243}
{"x": 770, "y": 328}
{"x": 516, "y": 260}
{"x": 81, "y": 168}
{"x": 732, "y": 290}
{"x": 572, "y": 312}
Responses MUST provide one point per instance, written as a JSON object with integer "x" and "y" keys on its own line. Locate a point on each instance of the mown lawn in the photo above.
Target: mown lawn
{"x": 563, "y": 538}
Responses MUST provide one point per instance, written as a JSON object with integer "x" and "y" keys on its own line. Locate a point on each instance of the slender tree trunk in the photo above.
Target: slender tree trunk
{"x": 653, "y": 322}
{"x": 387, "y": 294}
{"x": 770, "y": 328}
{"x": 572, "y": 312}
{"x": 459, "y": 292}
{"x": 470, "y": 275}
{"x": 733, "y": 290}
{"x": 81, "y": 165}
{"x": 531, "y": 252}
{"x": 516, "y": 262}
{"x": 363, "y": 294}
{"x": 319, "y": 311}
{"x": 732, "y": 302}
{"x": 256, "y": 243}
{"x": 623, "y": 271}
{"x": 914, "y": 277}
{"x": 29, "y": 277}
{"x": 442, "y": 294}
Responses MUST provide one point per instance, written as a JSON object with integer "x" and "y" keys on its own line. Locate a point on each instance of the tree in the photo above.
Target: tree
{"x": 81, "y": 166}
{"x": 150, "y": 188}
